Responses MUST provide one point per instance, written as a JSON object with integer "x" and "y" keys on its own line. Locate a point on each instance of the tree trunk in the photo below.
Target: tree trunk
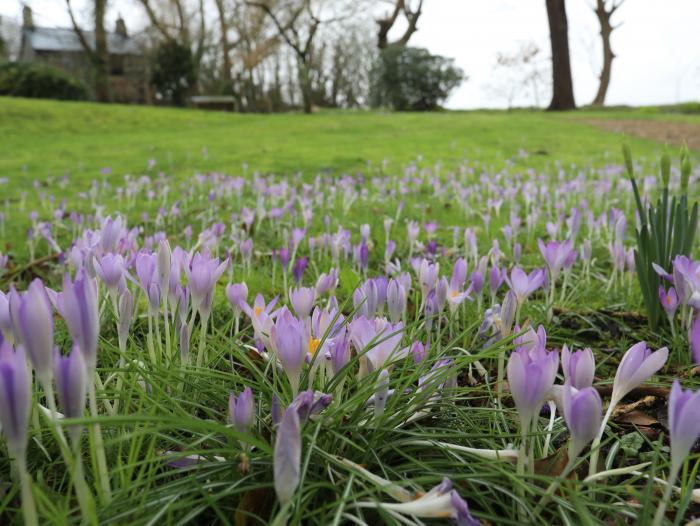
{"x": 608, "y": 55}
{"x": 101, "y": 54}
{"x": 225, "y": 44}
{"x": 305, "y": 84}
{"x": 562, "y": 83}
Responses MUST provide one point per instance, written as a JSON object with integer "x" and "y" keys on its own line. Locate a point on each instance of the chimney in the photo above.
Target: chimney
{"x": 27, "y": 19}
{"x": 121, "y": 27}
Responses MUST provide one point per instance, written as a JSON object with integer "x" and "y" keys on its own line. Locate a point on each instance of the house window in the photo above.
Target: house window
{"x": 116, "y": 63}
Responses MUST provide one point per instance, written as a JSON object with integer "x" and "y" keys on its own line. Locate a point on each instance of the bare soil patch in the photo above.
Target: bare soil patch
{"x": 675, "y": 133}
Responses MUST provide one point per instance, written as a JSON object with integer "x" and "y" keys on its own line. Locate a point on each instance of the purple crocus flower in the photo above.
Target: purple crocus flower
{"x": 299, "y": 268}
{"x": 529, "y": 379}
{"x": 583, "y": 412}
{"x": 237, "y": 294}
{"x": 578, "y": 367}
{"x": 428, "y": 275}
{"x": 5, "y": 317}
{"x": 339, "y": 350}
{"x": 327, "y": 282}
{"x": 555, "y": 255}
{"x": 302, "y": 300}
{"x": 289, "y": 341}
{"x": 683, "y": 423}
{"x": 496, "y": 278}
{"x": 77, "y": 303}
{"x": 202, "y": 275}
{"x": 111, "y": 270}
{"x": 33, "y": 324}
{"x": 523, "y": 284}
{"x": 669, "y": 301}
{"x": 287, "y": 456}
{"x": 418, "y": 351}
{"x": 146, "y": 269}
{"x": 15, "y": 400}
{"x": 396, "y": 300}
{"x": 694, "y": 339}
{"x": 441, "y": 502}
{"x": 383, "y": 338}
{"x": 284, "y": 256}
{"x": 70, "y": 374}
{"x": 241, "y": 410}
{"x": 637, "y": 365}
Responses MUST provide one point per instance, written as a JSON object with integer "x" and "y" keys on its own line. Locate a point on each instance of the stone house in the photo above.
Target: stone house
{"x": 61, "y": 48}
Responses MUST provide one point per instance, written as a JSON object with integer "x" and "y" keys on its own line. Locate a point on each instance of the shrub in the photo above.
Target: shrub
{"x": 173, "y": 72}
{"x": 25, "y": 79}
{"x": 408, "y": 78}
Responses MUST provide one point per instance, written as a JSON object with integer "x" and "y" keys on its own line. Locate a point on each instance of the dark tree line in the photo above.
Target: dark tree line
{"x": 276, "y": 54}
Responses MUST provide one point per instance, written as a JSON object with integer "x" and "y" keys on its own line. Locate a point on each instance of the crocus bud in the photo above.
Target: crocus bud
{"x": 78, "y": 306}
{"x": 302, "y": 300}
{"x": 637, "y": 365}
{"x": 126, "y": 315}
{"x": 508, "y": 311}
{"x": 683, "y": 423}
{"x": 627, "y": 154}
{"x": 164, "y": 264}
{"x": 685, "y": 172}
{"x": 5, "y": 318}
{"x": 237, "y": 294}
{"x": 694, "y": 339}
{"x": 34, "y": 327}
{"x": 396, "y": 300}
{"x": 578, "y": 367}
{"x": 110, "y": 269}
{"x": 71, "y": 386}
{"x": 241, "y": 410}
{"x": 418, "y": 351}
{"x": 669, "y": 300}
{"x": 15, "y": 399}
{"x": 529, "y": 380}
{"x": 340, "y": 354}
{"x": 287, "y": 457}
{"x": 288, "y": 337}
{"x": 665, "y": 168}
{"x": 583, "y": 412}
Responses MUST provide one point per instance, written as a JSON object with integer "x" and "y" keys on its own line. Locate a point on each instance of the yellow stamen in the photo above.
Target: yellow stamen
{"x": 313, "y": 345}
{"x": 258, "y": 310}
{"x": 454, "y": 293}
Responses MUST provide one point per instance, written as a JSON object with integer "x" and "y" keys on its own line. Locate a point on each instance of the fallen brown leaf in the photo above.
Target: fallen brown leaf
{"x": 554, "y": 464}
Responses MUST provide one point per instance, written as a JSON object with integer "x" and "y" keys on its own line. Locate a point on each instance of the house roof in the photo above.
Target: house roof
{"x": 59, "y": 39}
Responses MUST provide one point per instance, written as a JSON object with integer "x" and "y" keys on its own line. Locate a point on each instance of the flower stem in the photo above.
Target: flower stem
{"x": 661, "y": 510}
{"x": 103, "y": 475}
{"x": 202, "y": 340}
{"x": 28, "y": 505}
{"x": 595, "y": 446}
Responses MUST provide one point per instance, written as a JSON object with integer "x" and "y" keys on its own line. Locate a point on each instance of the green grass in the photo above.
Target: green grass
{"x": 39, "y": 138}
{"x": 166, "y": 406}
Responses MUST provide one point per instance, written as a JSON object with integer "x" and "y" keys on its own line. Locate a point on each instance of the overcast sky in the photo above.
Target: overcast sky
{"x": 658, "y": 49}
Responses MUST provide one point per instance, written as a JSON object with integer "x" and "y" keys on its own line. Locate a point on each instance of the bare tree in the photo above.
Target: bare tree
{"x": 297, "y": 24}
{"x": 562, "y": 83}
{"x": 606, "y": 28}
{"x": 385, "y": 24}
{"x": 226, "y": 45}
{"x": 176, "y": 21}
{"x": 99, "y": 56}
{"x": 519, "y": 72}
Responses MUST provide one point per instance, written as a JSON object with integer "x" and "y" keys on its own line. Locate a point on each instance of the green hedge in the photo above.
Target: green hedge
{"x": 24, "y": 79}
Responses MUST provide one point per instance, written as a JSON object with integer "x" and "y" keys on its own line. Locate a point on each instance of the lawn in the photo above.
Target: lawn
{"x": 378, "y": 260}
{"x": 39, "y": 138}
